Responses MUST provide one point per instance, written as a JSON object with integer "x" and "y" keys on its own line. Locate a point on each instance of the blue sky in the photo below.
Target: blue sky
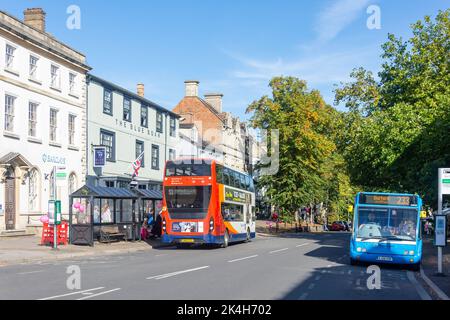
{"x": 230, "y": 46}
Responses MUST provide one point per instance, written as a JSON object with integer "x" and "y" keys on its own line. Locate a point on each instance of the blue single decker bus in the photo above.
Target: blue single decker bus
{"x": 386, "y": 229}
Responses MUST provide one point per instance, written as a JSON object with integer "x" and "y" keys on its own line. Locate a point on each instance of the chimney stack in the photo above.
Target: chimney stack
{"x": 191, "y": 88}
{"x": 140, "y": 89}
{"x": 35, "y": 17}
{"x": 215, "y": 100}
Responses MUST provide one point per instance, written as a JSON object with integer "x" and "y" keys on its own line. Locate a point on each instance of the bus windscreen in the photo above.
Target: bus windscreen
{"x": 188, "y": 169}
{"x": 190, "y": 202}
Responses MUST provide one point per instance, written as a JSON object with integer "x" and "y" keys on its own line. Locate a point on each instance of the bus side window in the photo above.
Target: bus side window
{"x": 243, "y": 181}
{"x": 237, "y": 180}
{"x": 226, "y": 176}
{"x": 219, "y": 174}
{"x": 247, "y": 183}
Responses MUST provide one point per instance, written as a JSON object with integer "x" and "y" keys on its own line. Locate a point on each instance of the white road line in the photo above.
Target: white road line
{"x": 71, "y": 294}
{"x": 98, "y": 294}
{"x": 302, "y": 245}
{"x": 30, "y": 272}
{"x": 249, "y": 257}
{"x": 436, "y": 289}
{"x": 420, "y": 290}
{"x": 279, "y": 250}
{"x": 167, "y": 275}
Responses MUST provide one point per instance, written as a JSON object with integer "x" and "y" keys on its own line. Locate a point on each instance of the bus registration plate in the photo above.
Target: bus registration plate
{"x": 187, "y": 240}
{"x": 381, "y": 258}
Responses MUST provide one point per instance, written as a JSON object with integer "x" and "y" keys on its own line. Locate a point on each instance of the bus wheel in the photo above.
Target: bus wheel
{"x": 415, "y": 267}
{"x": 248, "y": 236}
{"x": 226, "y": 239}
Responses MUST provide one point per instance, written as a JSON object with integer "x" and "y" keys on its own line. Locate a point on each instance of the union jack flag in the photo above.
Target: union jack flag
{"x": 137, "y": 164}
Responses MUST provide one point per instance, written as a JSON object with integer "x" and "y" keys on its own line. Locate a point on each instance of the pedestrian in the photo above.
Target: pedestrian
{"x": 157, "y": 227}
{"x": 144, "y": 230}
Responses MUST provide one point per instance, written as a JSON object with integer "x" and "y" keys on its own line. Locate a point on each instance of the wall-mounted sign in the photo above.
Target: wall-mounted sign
{"x": 46, "y": 158}
{"x": 99, "y": 157}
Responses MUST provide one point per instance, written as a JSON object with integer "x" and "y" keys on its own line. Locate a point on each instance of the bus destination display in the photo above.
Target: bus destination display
{"x": 387, "y": 200}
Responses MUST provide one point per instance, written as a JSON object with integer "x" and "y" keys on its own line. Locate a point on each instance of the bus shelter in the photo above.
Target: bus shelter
{"x": 150, "y": 201}
{"x": 93, "y": 208}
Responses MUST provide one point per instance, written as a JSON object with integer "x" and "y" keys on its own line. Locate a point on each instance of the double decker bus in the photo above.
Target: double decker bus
{"x": 386, "y": 229}
{"x": 205, "y": 202}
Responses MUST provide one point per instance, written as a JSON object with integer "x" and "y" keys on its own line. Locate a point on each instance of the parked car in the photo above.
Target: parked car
{"x": 338, "y": 226}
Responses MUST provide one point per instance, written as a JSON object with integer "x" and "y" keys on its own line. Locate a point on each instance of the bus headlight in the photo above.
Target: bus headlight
{"x": 411, "y": 253}
{"x": 211, "y": 224}
{"x": 364, "y": 250}
{"x": 405, "y": 253}
{"x": 164, "y": 225}
{"x": 358, "y": 249}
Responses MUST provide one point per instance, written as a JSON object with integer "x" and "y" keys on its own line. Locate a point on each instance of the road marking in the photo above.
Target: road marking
{"x": 279, "y": 250}
{"x": 302, "y": 245}
{"x": 161, "y": 255}
{"x": 249, "y": 257}
{"x": 30, "y": 272}
{"x": 71, "y": 294}
{"x": 436, "y": 289}
{"x": 420, "y": 290}
{"x": 98, "y": 294}
{"x": 358, "y": 282}
{"x": 167, "y": 275}
{"x": 311, "y": 286}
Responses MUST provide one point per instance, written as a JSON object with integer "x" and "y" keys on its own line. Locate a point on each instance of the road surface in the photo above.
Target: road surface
{"x": 303, "y": 267}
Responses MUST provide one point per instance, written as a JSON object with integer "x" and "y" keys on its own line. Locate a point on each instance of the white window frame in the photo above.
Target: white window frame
{"x": 33, "y": 68}
{"x": 9, "y": 56}
{"x": 33, "y": 190}
{"x": 32, "y": 121}
{"x": 55, "y": 78}
{"x": 53, "y": 133}
{"x": 72, "y": 83}
{"x": 9, "y": 113}
{"x": 71, "y": 128}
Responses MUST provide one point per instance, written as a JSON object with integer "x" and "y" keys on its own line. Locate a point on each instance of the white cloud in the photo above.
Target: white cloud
{"x": 334, "y": 18}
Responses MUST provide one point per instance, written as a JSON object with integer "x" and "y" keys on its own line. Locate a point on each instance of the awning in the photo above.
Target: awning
{"x": 104, "y": 192}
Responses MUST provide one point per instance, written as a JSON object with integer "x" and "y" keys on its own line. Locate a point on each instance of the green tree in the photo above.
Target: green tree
{"x": 397, "y": 127}
{"x": 309, "y": 168}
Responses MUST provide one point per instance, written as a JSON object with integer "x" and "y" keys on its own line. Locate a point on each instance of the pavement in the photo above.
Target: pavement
{"x": 292, "y": 267}
{"x": 19, "y": 250}
{"x": 439, "y": 285}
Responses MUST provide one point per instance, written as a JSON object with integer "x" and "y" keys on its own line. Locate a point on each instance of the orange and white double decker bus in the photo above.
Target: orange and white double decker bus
{"x": 205, "y": 202}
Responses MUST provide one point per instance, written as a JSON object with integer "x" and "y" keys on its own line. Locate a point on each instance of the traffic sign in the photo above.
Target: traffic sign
{"x": 444, "y": 180}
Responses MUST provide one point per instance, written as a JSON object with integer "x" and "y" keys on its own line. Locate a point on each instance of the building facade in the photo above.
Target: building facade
{"x": 43, "y": 114}
{"x": 127, "y": 124}
{"x": 223, "y": 136}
